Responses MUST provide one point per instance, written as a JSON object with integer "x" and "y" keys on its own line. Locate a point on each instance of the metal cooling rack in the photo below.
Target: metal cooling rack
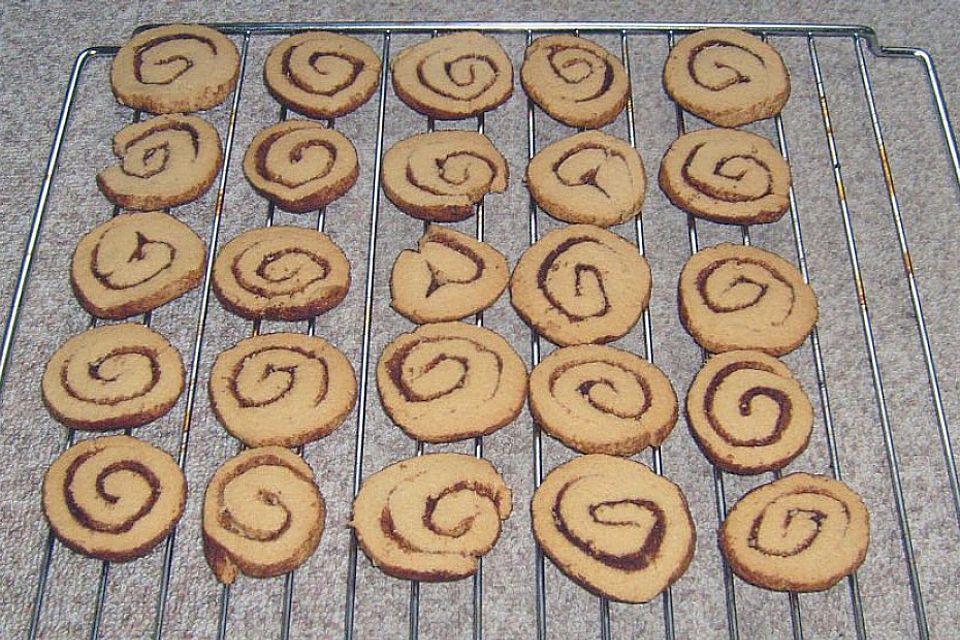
{"x": 863, "y": 41}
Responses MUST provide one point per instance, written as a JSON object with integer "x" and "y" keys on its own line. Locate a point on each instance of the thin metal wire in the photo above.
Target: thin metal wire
{"x": 478, "y": 441}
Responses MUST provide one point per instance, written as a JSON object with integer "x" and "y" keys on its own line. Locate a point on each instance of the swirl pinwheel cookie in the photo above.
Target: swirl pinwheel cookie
{"x": 175, "y": 69}
{"x": 322, "y": 74}
{"x": 281, "y": 273}
{"x": 614, "y": 526}
{"x": 440, "y": 176}
{"x": 111, "y": 377}
{"x": 581, "y": 284}
{"x": 799, "y": 533}
{"x": 449, "y": 381}
{"x": 263, "y": 515}
{"x": 726, "y": 176}
{"x": 113, "y": 497}
{"x": 575, "y": 80}
{"x": 282, "y": 389}
{"x": 164, "y": 162}
{"x": 450, "y": 276}
{"x": 453, "y": 76}
{"x": 741, "y": 297}
{"x": 431, "y": 517}
{"x": 727, "y": 77}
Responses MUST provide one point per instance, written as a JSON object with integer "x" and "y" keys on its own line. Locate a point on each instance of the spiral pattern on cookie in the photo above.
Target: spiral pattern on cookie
{"x": 164, "y": 162}
{"x": 431, "y": 517}
{"x": 449, "y": 381}
{"x": 454, "y": 76}
{"x": 575, "y": 80}
{"x": 322, "y": 74}
{"x": 614, "y": 526}
{"x": 799, "y": 533}
{"x": 112, "y": 377}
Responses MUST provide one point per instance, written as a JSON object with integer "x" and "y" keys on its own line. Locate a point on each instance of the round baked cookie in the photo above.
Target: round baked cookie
{"x": 739, "y": 297}
{"x": 262, "y": 514}
{"x": 112, "y": 377}
{"x": 726, "y": 176}
{"x": 175, "y": 69}
{"x": 301, "y": 165}
{"x": 114, "y": 497}
{"x": 282, "y": 389}
{"x": 448, "y": 277}
{"x": 748, "y": 412}
{"x": 164, "y": 162}
{"x": 440, "y": 176}
{"x": 281, "y": 273}
{"x": 598, "y": 399}
{"x": 134, "y": 263}
{"x": 431, "y": 517}
{"x": 449, "y": 381}
{"x": 590, "y": 178}
{"x": 726, "y": 76}
{"x": 799, "y": 533}
{"x": 614, "y": 526}
{"x": 322, "y": 74}
{"x": 453, "y": 76}
{"x": 575, "y": 80}
{"x": 581, "y": 284}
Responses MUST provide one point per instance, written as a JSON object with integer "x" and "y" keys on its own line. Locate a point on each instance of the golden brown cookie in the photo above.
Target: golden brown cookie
{"x": 431, "y": 517}
{"x": 134, "y": 263}
{"x": 726, "y": 176}
{"x": 598, "y": 399}
{"x": 440, "y": 176}
{"x": 175, "y": 69}
{"x": 113, "y": 377}
{"x": 448, "y": 277}
{"x": 727, "y": 76}
{"x": 614, "y": 526}
{"x": 799, "y": 533}
{"x": 453, "y": 76}
{"x": 581, "y": 284}
{"x": 164, "y": 162}
{"x": 281, "y": 273}
{"x": 738, "y": 297}
{"x": 449, "y": 381}
{"x": 575, "y": 80}
{"x": 589, "y": 178}
{"x": 322, "y": 74}
{"x": 282, "y": 389}
{"x": 262, "y": 514}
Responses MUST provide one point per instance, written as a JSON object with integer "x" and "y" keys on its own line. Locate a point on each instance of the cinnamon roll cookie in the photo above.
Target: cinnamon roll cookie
{"x": 112, "y": 377}
{"x": 581, "y": 284}
{"x": 134, "y": 263}
{"x": 449, "y": 381}
{"x": 322, "y": 74}
{"x": 164, "y": 162}
{"x": 614, "y": 526}
{"x": 440, "y": 176}
{"x": 282, "y": 389}
{"x": 590, "y": 178}
{"x": 575, "y": 80}
{"x": 262, "y": 515}
{"x": 431, "y": 517}
{"x": 748, "y": 412}
{"x": 175, "y": 69}
{"x": 727, "y": 77}
{"x": 453, "y": 76}
{"x": 726, "y": 176}
{"x": 113, "y": 497}
{"x": 448, "y": 277}
{"x": 799, "y": 533}
{"x": 281, "y": 273}
{"x": 740, "y": 297}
